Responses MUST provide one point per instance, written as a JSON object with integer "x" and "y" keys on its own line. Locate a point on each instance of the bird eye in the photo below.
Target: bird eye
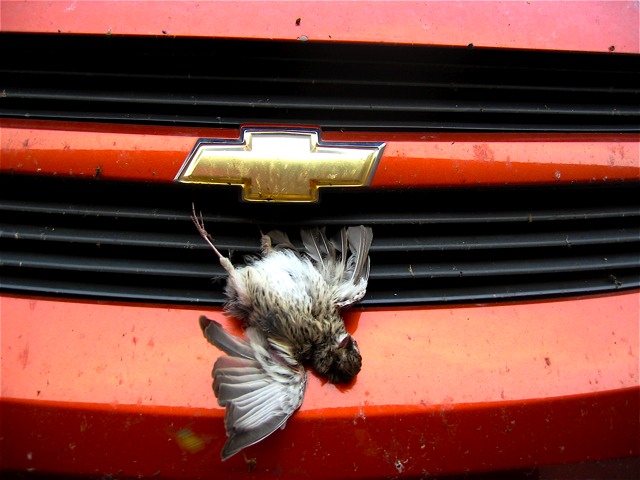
{"x": 345, "y": 341}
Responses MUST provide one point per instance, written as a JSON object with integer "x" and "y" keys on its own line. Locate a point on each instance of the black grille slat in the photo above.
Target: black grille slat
{"x": 535, "y": 214}
{"x": 137, "y": 242}
{"x": 608, "y": 125}
{"x": 146, "y": 239}
{"x": 110, "y": 291}
{"x": 432, "y": 270}
{"x": 127, "y": 266}
{"x": 334, "y": 86}
{"x": 513, "y": 267}
{"x": 331, "y": 104}
{"x": 434, "y": 295}
{"x": 121, "y": 238}
{"x": 510, "y": 290}
{"x": 489, "y": 242}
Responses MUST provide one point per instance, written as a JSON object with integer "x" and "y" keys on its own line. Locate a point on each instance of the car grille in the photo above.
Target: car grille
{"x": 202, "y": 82}
{"x": 136, "y": 242}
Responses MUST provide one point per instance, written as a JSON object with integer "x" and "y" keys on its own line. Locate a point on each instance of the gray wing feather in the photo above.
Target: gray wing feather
{"x": 240, "y": 440}
{"x": 352, "y": 285}
{"x": 260, "y": 384}
{"x": 341, "y": 243}
{"x": 317, "y": 246}
{"x": 359, "y": 243}
{"x": 229, "y": 344}
{"x": 348, "y": 274}
{"x": 229, "y": 391}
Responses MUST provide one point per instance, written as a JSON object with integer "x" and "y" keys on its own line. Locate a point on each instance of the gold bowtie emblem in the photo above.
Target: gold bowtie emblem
{"x": 280, "y": 165}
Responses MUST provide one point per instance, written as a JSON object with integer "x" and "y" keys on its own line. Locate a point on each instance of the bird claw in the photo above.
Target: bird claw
{"x": 199, "y": 223}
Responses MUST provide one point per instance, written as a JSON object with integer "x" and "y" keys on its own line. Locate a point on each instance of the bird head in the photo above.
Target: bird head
{"x": 338, "y": 360}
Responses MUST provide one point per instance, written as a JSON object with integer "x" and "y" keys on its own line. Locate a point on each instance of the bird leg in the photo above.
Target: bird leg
{"x": 199, "y": 223}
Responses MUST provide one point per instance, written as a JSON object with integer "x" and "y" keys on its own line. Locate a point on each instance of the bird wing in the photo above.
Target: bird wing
{"x": 352, "y": 285}
{"x": 318, "y": 247}
{"x": 260, "y": 383}
{"x": 360, "y": 239}
{"x": 348, "y": 274}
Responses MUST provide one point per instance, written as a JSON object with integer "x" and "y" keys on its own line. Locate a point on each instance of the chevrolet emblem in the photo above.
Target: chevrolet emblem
{"x": 280, "y": 165}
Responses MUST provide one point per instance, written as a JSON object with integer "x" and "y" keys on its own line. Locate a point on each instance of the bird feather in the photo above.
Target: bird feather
{"x": 289, "y": 302}
{"x": 359, "y": 243}
{"x": 317, "y": 246}
{"x": 280, "y": 240}
{"x": 352, "y": 285}
{"x": 341, "y": 244}
{"x": 260, "y": 383}
{"x": 215, "y": 334}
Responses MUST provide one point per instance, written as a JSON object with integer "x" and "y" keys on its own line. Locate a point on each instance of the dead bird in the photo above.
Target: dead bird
{"x": 289, "y": 302}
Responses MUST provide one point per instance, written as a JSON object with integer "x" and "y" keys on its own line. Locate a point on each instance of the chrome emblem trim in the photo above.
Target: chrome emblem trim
{"x": 280, "y": 165}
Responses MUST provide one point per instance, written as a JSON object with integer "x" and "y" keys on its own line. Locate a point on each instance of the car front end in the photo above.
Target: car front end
{"x": 499, "y": 331}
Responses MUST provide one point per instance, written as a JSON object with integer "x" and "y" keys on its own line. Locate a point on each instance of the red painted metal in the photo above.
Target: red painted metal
{"x": 410, "y": 160}
{"x": 118, "y": 390}
{"x": 93, "y": 388}
{"x": 567, "y": 25}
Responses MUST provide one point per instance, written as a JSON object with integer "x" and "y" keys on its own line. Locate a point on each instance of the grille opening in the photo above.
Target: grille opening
{"x": 214, "y": 82}
{"x": 136, "y": 242}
